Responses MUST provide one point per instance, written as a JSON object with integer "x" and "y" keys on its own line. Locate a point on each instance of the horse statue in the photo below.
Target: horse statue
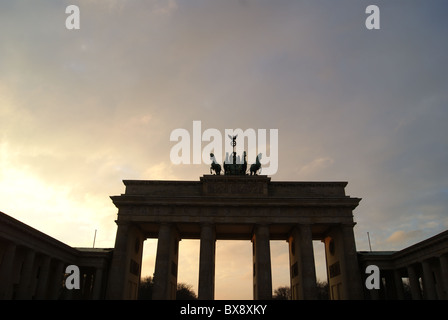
{"x": 256, "y": 166}
{"x": 214, "y": 165}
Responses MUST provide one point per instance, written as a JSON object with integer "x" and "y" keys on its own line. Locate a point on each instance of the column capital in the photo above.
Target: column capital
{"x": 122, "y": 223}
{"x": 261, "y": 227}
{"x": 208, "y": 224}
{"x": 348, "y": 224}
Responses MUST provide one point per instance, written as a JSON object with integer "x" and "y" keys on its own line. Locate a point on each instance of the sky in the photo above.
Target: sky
{"x": 83, "y": 109}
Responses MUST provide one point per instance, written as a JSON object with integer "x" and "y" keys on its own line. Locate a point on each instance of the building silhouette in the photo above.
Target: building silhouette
{"x": 33, "y": 264}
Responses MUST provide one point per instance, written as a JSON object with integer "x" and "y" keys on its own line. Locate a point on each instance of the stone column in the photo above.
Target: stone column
{"x": 125, "y": 268}
{"x": 428, "y": 281}
{"x": 206, "y": 285}
{"x": 375, "y": 293}
{"x": 55, "y": 282}
{"x": 165, "y": 272}
{"x": 42, "y": 286}
{"x": 353, "y": 285}
{"x": 97, "y": 285}
{"x": 24, "y": 291}
{"x": 262, "y": 263}
{"x": 414, "y": 283}
{"x": 307, "y": 262}
{"x": 444, "y": 272}
{"x": 303, "y": 272}
{"x": 6, "y": 272}
{"x": 398, "y": 284}
{"x": 119, "y": 264}
{"x": 391, "y": 285}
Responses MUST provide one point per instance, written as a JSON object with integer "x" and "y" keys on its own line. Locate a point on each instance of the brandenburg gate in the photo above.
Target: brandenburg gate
{"x": 238, "y": 208}
{"x": 235, "y": 206}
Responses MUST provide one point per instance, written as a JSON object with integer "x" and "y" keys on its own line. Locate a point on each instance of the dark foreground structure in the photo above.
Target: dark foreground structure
{"x": 252, "y": 208}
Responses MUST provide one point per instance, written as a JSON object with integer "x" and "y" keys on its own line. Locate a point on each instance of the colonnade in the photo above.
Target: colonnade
{"x": 301, "y": 256}
{"x": 416, "y": 272}
{"x": 422, "y": 279}
{"x": 27, "y": 273}
{"x": 165, "y": 272}
{"x": 32, "y": 265}
{"x": 235, "y": 208}
{"x": 19, "y": 283}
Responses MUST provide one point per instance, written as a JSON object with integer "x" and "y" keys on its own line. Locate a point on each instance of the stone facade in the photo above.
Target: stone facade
{"x": 32, "y": 265}
{"x": 239, "y": 208}
{"x": 422, "y": 269}
{"x": 251, "y": 208}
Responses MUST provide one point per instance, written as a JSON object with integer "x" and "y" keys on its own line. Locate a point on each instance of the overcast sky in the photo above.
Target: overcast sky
{"x": 82, "y": 110}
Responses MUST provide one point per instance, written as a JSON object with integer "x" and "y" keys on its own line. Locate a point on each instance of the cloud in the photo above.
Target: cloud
{"x": 160, "y": 171}
{"x": 401, "y": 237}
{"x": 316, "y": 166}
{"x": 81, "y": 111}
{"x": 233, "y": 270}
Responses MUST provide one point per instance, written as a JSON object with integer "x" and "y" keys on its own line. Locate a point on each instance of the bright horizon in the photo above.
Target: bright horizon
{"x": 233, "y": 269}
